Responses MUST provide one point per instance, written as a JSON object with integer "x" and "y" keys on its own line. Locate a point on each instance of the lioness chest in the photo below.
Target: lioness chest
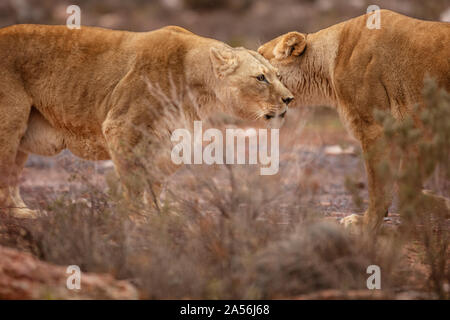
{"x": 44, "y": 139}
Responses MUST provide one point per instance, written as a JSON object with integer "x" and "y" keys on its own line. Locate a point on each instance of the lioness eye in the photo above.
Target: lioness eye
{"x": 261, "y": 77}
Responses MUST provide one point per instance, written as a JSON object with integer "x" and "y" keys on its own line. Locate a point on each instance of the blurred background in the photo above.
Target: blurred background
{"x": 237, "y": 22}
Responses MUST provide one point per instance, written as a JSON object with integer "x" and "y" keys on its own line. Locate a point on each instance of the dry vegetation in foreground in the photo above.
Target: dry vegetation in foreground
{"x": 228, "y": 233}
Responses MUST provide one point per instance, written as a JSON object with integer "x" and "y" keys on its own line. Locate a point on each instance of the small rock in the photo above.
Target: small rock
{"x": 22, "y": 276}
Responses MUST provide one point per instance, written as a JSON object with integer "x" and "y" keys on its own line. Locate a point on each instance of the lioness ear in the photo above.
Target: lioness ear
{"x": 290, "y": 44}
{"x": 224, "y": 61}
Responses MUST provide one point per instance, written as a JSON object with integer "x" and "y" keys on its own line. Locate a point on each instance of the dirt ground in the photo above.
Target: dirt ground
{"x": 323, "y": 149}
{"x": 314, "y": 142}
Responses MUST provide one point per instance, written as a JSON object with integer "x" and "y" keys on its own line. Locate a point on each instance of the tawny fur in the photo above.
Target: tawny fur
{"x": 358, "y": 70}
{"x": 88, "y": 91}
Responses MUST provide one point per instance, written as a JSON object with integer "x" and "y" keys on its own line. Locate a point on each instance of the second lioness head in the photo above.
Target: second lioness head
{"x": 250, "y": 85}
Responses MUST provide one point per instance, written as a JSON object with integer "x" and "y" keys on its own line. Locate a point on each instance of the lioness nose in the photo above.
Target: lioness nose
{"x": 287, "y": 100}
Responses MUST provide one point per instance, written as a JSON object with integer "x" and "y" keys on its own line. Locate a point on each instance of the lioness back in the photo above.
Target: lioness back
{"x": 62, "y": 66}
{"x": 72, "y": 78}
{"x": 398, "y": 56}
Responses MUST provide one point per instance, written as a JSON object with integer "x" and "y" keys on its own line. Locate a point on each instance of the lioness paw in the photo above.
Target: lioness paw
{"x": 24, "y": 213}
{"x": 352, "y": 220}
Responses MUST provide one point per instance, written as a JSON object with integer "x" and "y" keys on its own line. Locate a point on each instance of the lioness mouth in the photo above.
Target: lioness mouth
{"x": 270, "y": 116}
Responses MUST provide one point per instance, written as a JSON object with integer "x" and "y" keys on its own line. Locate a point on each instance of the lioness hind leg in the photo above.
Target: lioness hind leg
{"x": 15, "y": 106}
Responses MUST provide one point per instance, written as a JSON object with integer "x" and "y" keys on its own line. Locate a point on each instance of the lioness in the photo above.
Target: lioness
{"x": 87, "y": 90}
{"x": 358, "y": 70}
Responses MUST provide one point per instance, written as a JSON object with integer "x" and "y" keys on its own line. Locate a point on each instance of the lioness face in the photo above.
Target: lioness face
{"x": 250, "y": 85}
{"x": 284, "y": 53}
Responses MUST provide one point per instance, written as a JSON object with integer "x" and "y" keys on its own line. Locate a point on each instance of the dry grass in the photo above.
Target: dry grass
{"x": 224, "y": 238}
{"x": 225, "y": 232}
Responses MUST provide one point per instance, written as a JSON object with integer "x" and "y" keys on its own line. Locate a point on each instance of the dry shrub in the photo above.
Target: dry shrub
{"x": 212, "y": 238}
{"x": 424, "y": 149}
{"x": 225, "y": 232}
{"x": 316, "y": 256}
{"x": 219, "y": 231}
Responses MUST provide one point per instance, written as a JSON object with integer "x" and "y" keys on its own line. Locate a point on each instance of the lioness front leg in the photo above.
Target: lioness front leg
{"x": 380, "y": 184}
{"x": 139, "y": 172}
